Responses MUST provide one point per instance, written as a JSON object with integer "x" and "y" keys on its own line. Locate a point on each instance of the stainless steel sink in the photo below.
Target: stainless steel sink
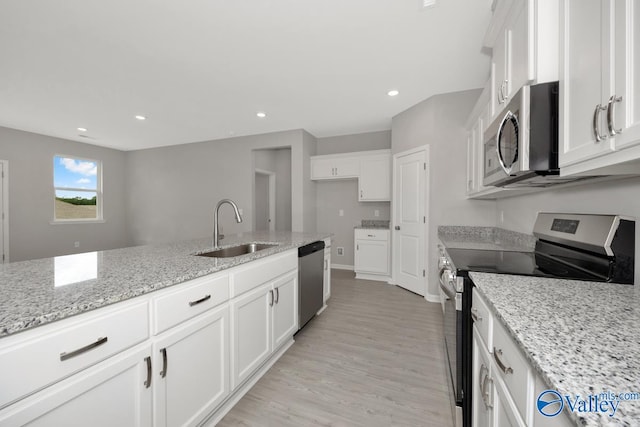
{"x": 248, "y": 248}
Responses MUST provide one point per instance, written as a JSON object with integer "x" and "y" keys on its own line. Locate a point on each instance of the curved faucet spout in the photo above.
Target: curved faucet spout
{"x": 216, "y": 232}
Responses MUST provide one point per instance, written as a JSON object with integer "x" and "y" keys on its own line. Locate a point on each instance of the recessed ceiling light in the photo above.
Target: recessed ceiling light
{"x": 141, "y": 118}
{"x": 428, "y": 3}
{"x": 261, "y": 114}
{"x": 82, "y": 129}
{"x": 393, "y": 92}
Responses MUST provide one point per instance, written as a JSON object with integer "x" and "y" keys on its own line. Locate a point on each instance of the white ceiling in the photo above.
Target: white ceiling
{"x": 201, "y": 69}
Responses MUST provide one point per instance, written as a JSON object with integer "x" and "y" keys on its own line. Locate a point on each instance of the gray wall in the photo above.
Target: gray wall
{"x": 611, "y": 197}
{"x": 343, "y": 194}
{"x": 172, "y": 191}
{"x": 31, "y": 197}
{"x": 439, "y": 122}
{"x": 309, "y": 207}
{"x": 278, "y": 160}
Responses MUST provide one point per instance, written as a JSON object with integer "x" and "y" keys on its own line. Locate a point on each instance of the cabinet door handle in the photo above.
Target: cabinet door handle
{"x": 505, "y": 96}
{"x": 475, "y": 316}
{"x": 201, "y": 300}
{"x": 596, "y": 125}
{"x": 357, "y": 247}
{"x": 361, "y": 196}
{"x": 277, "y": 295}
{"x": 397, "y": 227}
{"x": 486, "y": 394}
{"x": 147, "y": 383}
{"x": 272, "y": 298}
{"x": 65, "y": 356}
{"x": 610, "y": 115}
{"x": 497, "y": 353}
{"x": 165, "y": 365}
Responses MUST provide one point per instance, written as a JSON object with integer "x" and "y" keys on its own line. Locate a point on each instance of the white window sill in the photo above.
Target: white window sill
{"x": 76, "y": 221}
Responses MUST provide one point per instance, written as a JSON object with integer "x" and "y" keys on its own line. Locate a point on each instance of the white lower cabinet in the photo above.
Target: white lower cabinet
{"x": 505, "y": 387}
{"x": 371, "y": 260}
{"x": 175, "y": 357}
{"x": 263, "y": 319}
{"x": 191, "y": 375}
{"x": 115, "y": 392}
{"x": 326, "y": 275}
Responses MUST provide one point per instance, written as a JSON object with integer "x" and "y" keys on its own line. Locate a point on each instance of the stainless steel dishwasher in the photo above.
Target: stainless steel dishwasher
{"x": 310, "y": 281}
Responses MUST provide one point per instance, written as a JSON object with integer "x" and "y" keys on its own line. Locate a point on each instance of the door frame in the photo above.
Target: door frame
{"x": 4, "y": 216}
{"x": 272, "y": 197}
{"x": 425, "y": 236}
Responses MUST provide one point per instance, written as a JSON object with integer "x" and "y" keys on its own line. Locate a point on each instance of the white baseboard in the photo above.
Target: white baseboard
{"x": 342, "y": 267}
{"x": 432, "y": 298}
{"x": 377, "y": 277}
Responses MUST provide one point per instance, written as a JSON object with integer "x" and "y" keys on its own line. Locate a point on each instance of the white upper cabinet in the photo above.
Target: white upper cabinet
{"x": 334, "y": 167}
{"x": 523, "y": 36}
{"x": 374, "y": 183}
{"x": 600, "y": 87}
{"x": 371, "y": 168}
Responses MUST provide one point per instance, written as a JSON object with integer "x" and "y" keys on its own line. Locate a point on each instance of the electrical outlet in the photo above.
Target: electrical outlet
{"x": 376, "y": 213}
{"x": 341, "y": 212}
{"x": 76, "y": 244}
{"x": 340, "y": 251}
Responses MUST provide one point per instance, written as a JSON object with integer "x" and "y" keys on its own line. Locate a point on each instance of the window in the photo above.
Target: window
{"x": 78, "y": 189}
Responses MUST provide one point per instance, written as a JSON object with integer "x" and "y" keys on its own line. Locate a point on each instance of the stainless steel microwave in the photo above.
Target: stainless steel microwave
{"x": 521, "y": 145}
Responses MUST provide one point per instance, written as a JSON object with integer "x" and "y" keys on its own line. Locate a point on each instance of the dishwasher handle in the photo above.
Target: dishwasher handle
{"x": 310, "y": 248}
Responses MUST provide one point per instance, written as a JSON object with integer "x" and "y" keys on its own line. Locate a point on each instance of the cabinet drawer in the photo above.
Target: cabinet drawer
{"x": 34, "y": 359}
{"x": 189, "y": 300}
{"x": 249, "y": 276}
{"x": 512, "y": 367}
{"x": 371, "y": 234}
{"x": 482, "y": 318}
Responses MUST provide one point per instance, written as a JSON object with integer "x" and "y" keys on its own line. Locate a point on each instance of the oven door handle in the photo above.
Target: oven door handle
{"x": 447, "y": 291}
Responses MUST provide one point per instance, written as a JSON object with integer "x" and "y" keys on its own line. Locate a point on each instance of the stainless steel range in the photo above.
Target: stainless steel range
{"x": 598, "y": 248}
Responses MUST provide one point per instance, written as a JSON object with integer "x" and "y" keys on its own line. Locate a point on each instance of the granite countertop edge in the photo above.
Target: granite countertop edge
{"x": 534, "y": 356}
{"x": 23, "y": 309}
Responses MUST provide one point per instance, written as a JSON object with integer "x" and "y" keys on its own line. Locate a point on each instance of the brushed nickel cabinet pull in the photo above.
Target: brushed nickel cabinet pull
{"x": 65, "y": 356}
{"x": 504, "y": 368}
{"x": 163, "y": 373}
{"x": 272, "y": 298}
{"x": 610, "y": 115}
{"x": 147, "y": 383}
{"x": 196, "y": 302}
{"x": 277, "y": 295}
{"x": 596, "y": 127}
{"x": 474, "y": 315}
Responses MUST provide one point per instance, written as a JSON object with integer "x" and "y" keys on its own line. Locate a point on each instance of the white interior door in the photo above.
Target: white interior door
{"x": 4, "y": 214}
{"x": 409, "y": 220}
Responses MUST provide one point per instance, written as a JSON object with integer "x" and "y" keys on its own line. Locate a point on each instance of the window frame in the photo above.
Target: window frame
{"x": 98, "y": 192}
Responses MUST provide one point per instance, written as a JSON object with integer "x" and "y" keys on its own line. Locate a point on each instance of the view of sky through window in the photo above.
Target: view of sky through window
{"x": 75, "y": 174}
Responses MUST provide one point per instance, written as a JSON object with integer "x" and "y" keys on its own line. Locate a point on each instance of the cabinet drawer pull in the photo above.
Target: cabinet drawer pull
{"x": 475, "y": 316}
{"x": 596, "y": 127}
{"x": 504, "y": 368}
{"x": 196, "y": 302}
{"x": 147, "y": 383}
{"x": 371, "y": 235}
{"x": 64, "y": 355}
{"x": 163, "y": 373}
{"x": 610, "y": 115}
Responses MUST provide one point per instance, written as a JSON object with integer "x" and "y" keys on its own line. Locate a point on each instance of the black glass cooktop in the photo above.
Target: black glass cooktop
{"x": 518, "y": 263}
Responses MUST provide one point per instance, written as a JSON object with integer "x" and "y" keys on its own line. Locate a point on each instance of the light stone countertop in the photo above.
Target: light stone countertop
{"x": 581, "y": 337}
{"x": 37, "y": 292}
{"x": 485, "y": 238}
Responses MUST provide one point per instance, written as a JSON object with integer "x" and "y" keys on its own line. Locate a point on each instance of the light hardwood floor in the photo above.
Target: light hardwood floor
{"x": 375, "y": 357}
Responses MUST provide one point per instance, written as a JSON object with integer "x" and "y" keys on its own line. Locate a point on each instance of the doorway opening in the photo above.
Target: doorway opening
{"x": 265, "y": 200}
{"x": 4, "y": 211}
{"x": 272, "y": 189}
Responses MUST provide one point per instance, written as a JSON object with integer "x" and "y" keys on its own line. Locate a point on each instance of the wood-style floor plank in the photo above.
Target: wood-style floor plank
{"x": 375, "y": 357}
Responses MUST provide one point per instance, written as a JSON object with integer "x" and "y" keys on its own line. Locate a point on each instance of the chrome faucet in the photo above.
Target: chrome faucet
{"x": 216, "y": 232}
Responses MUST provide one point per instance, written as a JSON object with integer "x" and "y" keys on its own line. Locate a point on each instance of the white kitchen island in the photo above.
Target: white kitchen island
{"x": 148, "y": 335}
